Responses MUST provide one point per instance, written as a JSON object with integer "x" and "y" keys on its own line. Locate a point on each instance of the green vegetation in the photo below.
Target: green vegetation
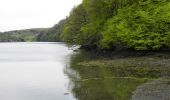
{"x": 53, "y": 34}
{"x": 21, "y": 35}
{"x": 142, "y": 25}
{"x": 74, "y": 22}
{"x": 39, "y": 34}
{"x": 108, "y": 24}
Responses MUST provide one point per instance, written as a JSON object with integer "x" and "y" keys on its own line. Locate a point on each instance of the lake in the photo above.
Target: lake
{"x": 52, "y": 71}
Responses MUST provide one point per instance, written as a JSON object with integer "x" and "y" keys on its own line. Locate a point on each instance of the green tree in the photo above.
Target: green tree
{"x": 72, "y": 32}
{"x": 86, "y": 21}
{"x": 53, "y": 34}
{"x": 144, "y": 25}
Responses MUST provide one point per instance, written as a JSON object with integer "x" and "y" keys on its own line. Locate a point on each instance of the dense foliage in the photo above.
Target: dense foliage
{"x": 109, "y": 24}
{"x": 106, "y": 24}
{"x": 53, "y": 34}
{"x": 72, "y": 28}
{"x": 86, "y": 21}
{"x": 142, "y": 26}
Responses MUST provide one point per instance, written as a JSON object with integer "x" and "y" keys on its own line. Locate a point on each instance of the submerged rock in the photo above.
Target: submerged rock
{"x": 154, "y": 90}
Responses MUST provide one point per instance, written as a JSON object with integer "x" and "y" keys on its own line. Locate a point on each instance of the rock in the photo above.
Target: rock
{"x": 154, "y": 90}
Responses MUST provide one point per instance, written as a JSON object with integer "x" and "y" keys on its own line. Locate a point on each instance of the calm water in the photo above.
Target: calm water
{"x": 51, "y": 71}
{"x": 34, "y": 71}
{"x": 120, "y": 79}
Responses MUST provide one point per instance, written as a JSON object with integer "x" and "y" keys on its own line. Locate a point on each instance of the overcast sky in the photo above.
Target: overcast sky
{"x": 24, "y": 14}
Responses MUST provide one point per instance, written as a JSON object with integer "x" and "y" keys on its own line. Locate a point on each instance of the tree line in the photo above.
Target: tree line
{"x": 27, "y": 35}
{"x": 110, "y": 24}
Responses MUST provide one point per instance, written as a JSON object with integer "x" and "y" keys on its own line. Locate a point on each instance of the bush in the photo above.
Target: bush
{"x": 144, "y": 25}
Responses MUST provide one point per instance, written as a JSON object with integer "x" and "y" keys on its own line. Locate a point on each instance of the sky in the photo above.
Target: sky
{"x": 25, "y": 14}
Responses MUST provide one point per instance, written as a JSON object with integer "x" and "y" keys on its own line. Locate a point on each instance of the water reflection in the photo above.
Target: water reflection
{"x": 34, "y": 71}
{"x": 98, "y": 83}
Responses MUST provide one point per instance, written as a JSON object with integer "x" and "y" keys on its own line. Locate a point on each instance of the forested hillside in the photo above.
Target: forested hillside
{"x": 53, "y": 34}
{"x": 110, "y": 24}
{"x": 22, "y": 35}
{"x": 40, "y": 34}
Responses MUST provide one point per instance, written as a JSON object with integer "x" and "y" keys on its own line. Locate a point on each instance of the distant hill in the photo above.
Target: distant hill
{"x": 53, "y": 34}
{"x": 36, "y": 34}
{"x": 27, "y": 35}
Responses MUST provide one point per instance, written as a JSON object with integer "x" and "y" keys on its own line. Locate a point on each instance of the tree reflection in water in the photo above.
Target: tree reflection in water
{"x": 98, "y": 83}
